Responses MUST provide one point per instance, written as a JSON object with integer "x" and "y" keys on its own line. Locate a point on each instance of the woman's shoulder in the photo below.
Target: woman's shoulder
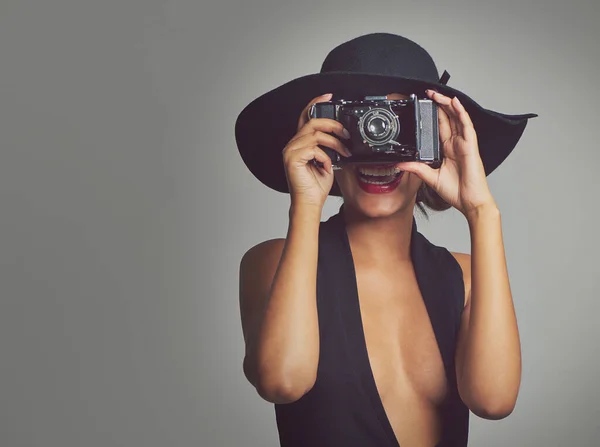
{"x": 266, "y": 252}
{"x": 257, "y": 270}
{"x": 463, "y": 259}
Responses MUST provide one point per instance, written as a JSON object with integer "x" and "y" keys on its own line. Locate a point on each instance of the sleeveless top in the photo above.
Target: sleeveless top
{"x": 343, "y": 409}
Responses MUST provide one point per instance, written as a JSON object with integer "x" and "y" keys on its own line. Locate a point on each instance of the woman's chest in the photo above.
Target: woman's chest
{"x": 403, "y": 353}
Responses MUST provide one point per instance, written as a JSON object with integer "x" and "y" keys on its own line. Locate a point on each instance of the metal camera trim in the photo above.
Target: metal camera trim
{"x": 426, "y": 147}
{"x": 370, "y": 115}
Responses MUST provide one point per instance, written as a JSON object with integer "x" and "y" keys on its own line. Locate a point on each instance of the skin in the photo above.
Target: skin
{"x": 278, "y": 283}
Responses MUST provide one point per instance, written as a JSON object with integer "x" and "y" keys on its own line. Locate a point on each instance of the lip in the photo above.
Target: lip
{"x": 378, "y": 189}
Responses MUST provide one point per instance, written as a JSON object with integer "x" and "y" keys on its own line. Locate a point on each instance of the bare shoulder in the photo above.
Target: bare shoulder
{"x": 464, "y": 260}
{"x": 257, "y": 270}
{"x": 263, "y": 255}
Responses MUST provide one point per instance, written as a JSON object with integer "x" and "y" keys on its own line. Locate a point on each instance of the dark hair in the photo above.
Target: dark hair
{"x": 427, "y": 197}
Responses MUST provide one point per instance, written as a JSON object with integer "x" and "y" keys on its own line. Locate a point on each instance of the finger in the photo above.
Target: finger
{"x": 438, "y": 97}
{"x": 324, "y": 125}
{"x": 322, "y": 138}
{"x": 303, "y": 118}
{"x": 422, "y": 170}
{"x": 444, "y": 125}
{"x": 309, "y": 154}
{"x": 444, "y": 103}
{"x": 466, "y": 128}
{"x": 320, "y": 156}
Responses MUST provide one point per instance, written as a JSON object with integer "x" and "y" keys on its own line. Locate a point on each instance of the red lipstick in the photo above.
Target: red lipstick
{"x": 373, "y": 188}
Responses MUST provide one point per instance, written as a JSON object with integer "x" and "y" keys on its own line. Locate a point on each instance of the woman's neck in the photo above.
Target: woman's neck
{"x": 382, "y": 239}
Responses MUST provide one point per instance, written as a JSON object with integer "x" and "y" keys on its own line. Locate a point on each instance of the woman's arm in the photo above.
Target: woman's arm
{"x": 278, "y": 279}
{"x": 488, "y": 352}
{"x": 279, "y": 310}
{"x": 488, "y": 357}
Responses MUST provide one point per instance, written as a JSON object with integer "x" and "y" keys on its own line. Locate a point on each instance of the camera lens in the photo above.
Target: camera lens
{"x": 378, "y": 126}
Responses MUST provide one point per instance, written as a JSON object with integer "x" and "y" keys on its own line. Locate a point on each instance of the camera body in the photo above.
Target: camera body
{"x": 384, "y": 130}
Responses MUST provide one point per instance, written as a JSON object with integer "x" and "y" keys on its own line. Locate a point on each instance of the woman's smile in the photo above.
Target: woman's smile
{"x": 378, "y": 179}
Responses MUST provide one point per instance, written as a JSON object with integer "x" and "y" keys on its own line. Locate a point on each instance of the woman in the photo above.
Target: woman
{"x": 358, "y": 329}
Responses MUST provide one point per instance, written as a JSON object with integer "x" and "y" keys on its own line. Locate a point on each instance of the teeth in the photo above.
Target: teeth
{"x": 380, "y": 179}
{"x": 375, "y": 182}
{"x": 379, "y": 171}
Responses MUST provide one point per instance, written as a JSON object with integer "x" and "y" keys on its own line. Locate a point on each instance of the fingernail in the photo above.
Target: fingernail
{"x": 346, "y": 133}
{"x": 327, "y": 96}
{"x": 458, "y": 100}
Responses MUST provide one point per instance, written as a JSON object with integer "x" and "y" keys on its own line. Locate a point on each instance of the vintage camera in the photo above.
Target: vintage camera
{"x": 384, "y": 130}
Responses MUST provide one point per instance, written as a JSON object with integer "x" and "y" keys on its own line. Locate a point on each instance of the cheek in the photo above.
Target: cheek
{"x": 414, "y": 182}
{"x": 344, "y": 178}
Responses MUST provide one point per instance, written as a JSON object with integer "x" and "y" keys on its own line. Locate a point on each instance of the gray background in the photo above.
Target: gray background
{"x": 126, "y": 208}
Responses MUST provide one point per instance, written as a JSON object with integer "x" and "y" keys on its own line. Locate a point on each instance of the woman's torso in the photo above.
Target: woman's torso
{"x": 387, "y": 340}
{"x": 403, "y": 354}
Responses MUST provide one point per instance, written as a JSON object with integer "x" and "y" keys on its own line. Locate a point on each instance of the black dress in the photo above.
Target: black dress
{"x": 343, "y": 409}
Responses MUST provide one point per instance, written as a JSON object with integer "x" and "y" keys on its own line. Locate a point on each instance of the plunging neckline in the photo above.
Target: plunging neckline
{"x": 356, "y": 334}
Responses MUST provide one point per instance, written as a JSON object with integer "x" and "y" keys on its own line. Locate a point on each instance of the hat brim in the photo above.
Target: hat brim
{"x": 265, "y": 126}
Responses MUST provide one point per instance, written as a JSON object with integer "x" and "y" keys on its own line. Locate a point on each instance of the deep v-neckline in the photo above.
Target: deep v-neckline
{"x": 354, "y": 321}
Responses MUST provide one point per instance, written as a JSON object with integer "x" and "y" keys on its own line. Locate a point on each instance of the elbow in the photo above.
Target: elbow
{"x": 492, "y": 408}
{"x": 489, "y": 398}
{"x": 279, "y": 386}
{"x": 493, "y": 411}
{"x": 280, "y": 391}
{"x": 489, "y": 405}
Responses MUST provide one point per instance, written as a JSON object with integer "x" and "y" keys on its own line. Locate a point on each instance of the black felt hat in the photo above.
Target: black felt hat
{"x": 372, "y": 64}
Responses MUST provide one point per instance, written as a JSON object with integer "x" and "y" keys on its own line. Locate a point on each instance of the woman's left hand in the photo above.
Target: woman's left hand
{"x": 461, "y": 179}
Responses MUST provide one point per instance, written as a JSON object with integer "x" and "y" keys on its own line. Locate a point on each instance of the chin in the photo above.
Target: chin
{"x": 378, "y": 207}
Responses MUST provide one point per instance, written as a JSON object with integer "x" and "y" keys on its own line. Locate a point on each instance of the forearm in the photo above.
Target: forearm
{"x": 286, "y": 349}
{"x": 491, "y": 370}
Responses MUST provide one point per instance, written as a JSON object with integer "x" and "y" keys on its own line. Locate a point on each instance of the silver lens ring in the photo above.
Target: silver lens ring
{"x": 387, "y": 134}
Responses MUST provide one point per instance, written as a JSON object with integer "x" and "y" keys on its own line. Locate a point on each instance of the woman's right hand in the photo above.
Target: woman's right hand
{"x": 309, "y": 184}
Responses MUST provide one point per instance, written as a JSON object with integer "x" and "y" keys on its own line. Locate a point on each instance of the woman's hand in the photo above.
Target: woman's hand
{"x": 308, "y": 183}
{"x": 461, "y": 179}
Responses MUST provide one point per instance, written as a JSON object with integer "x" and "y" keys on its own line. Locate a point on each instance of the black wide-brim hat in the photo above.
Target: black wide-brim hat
{"x": 372, "y": 64}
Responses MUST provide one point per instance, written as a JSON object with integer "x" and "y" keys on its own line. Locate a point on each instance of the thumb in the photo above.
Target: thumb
{"x": 422, "y": 170}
